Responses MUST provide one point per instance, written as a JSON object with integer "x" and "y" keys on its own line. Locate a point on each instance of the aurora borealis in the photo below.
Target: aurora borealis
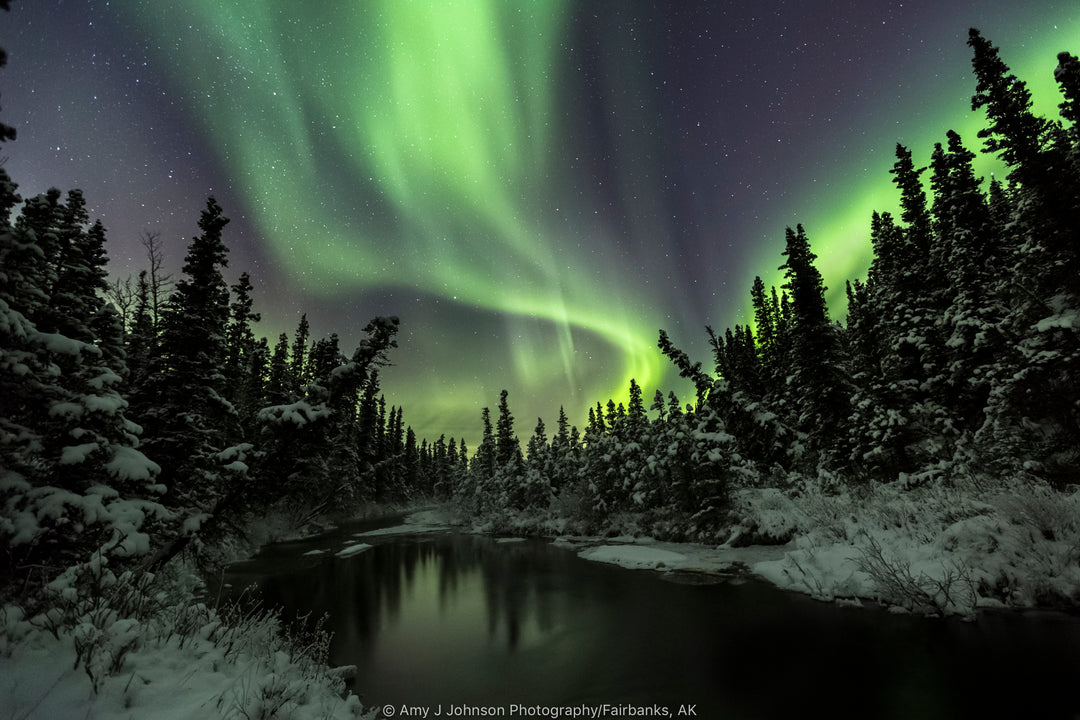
{"x": 535, "y": 188}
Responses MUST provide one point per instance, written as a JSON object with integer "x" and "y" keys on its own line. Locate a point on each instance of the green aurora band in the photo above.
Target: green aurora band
{"x": 837, "y": 216}
{"x": 441, "y": 113}
{"x": 402, "y": 145}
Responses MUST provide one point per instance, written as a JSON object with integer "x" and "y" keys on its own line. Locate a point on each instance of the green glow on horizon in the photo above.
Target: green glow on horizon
{"x": 839, "y": 226}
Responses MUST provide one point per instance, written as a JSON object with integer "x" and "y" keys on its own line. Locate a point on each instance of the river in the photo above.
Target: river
{"x": 450, "y": 619}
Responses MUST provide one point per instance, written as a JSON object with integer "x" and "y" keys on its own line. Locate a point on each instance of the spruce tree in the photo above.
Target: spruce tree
{"x": 240, "y": 350}
{"x": 912, "y": 201}
{"x": 507, "y": 445}
{"x": 484, "y": 459}
{"x": 278, "y": 383}
{"x": 635, "y": 413}
{"x": 970, "y": 253}
{"x": 183, "y": 404}
{"x": 72, "y": 478}
{"x": 821, "y": 385}
{"x": 298, "y": 362}
{"x": 1067, "y": 75}
{"x": 1015, "y": 133}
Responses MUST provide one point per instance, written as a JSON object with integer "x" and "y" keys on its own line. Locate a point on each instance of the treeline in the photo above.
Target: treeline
{"x": 132, "y": 434}
{"x": 959, "y": 357}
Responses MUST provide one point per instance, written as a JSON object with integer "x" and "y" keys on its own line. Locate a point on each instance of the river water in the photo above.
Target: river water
{"x": 448, "y": 619}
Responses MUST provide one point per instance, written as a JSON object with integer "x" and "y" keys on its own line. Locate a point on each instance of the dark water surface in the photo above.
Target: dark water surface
{"x": 462, "y": 619}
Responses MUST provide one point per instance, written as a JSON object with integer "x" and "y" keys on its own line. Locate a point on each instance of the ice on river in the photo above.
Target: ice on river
{"x": 351, "y": 550}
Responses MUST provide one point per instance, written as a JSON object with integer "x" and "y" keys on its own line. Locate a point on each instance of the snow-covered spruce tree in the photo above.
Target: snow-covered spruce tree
{"x": 309, "y": 447}
{"x": 716, "y": 467}
{"x": 476, "y": 484}
{"x": 182, "y": 404}
{"x": 1033, "y": 411}
{"x": 507, "y": 445}
{"x": 563, "y": 455}
{"x": 411, "y": 460}
{"x": 754, "y": 398}
{"x": 244, "y": 364}
{"x": 298, "y": 364}
{"x": 640, "y": 483}
{"x": 880, "y": 434}
{"x": 72, "y": 479}
{"x": 140, "y": 339}
{"x": 822, "y": 389}
{"x": 897, "y": 424}
{"x": 507, "y": 460}
{"x": 369, "y": 437}
{"x": 968, "y": 249}
{"x": 532, "y": 490}
{"x": 277, "y": 379}
{"x": 604, "y": 487}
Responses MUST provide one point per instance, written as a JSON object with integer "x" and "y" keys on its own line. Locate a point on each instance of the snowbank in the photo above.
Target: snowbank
{"x": 648, "y": 554}
{"x": 933, "y": 550}
{"x": 423, "y": 521}
{"x": 114, "y": 649}
{"x": 634, "y": 557}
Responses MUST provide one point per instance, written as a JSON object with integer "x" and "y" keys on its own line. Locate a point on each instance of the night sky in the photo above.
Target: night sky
{"x": 535, "y": 188}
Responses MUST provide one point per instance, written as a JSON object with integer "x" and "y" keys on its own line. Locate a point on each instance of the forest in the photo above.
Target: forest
{"x": 956, "y": 364}
{"x": 146, "y": 426}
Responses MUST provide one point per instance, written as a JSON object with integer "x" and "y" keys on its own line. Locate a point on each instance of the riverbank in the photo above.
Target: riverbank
{"x": 157, "y": 646}
{"x": 126, "y": 647}
{"x": 935, "y": 549}
{"x": 111, "y": 647}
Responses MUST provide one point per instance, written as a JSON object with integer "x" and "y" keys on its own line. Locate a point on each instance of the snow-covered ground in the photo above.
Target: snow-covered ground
{"x": 433, "y": 520}
{"x": 935, "y": 550}
{"x": 158, "y": 673}
{"x": 109, "y": 648}
{"x": 650, "y": 554}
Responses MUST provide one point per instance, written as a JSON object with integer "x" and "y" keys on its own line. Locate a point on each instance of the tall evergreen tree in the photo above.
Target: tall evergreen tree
{"x": 1067, "y": 75}
{"x": 183, "y": 403}
{"x": 912, "y": 201}
{"x": 823, "y": 391}
{"x": 507, "y": 445}
{"x": 1015, "y": 133}
{"x": 298, "y": 362}
{"x": 72, "y": 479}
{"x": 240, "y": 349}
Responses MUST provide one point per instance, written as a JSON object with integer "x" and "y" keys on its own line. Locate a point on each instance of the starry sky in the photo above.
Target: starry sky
{"x": 534, "y": 187}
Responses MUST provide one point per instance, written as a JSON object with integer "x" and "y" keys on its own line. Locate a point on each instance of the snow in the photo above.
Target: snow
{"x": 671, "y": 557}
{"x": 423, "y": 521}
{"x": 1067, "y": 320}
{"x": 633, "y": 556}
{"x": 354, "y": 549}
{"x": 109, "y": 404}
{"x": 928, "y": 550}
{"x": 127, "y": 463}
{"x": 60, "y": 344}
{"x": 73, "y": 454}
{"x": 67, "y": 410}
{"x": 160, "y": 676}
{"x": 299, "y": 413}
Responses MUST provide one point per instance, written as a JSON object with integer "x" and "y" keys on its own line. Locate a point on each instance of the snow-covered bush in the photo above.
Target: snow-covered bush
{"x": 141, "y": 643}
{"x": 942, "y": 548}
{"x": 764, "y": 516}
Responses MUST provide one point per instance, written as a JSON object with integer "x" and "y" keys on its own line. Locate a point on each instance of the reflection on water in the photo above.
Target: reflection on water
{"x": 451, "y": 618}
